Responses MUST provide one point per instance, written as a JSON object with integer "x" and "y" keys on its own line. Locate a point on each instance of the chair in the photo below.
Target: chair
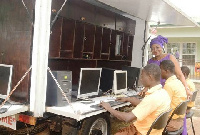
{"x": 191, "y": 113}
{"x": 160, "y": 122}
{"x": 179, "y": 110}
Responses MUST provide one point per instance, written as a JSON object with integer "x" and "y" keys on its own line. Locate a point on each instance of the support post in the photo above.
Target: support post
{"x": 40, "y": 57}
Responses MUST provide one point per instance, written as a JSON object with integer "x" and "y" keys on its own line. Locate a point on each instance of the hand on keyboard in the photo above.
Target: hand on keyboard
{"x": 105, "y": 105}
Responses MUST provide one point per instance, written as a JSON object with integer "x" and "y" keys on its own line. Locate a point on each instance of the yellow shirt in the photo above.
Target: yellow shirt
{"x": 153, "y": 104}
{"x": 177, "y": 93}
{"x": 192, "y": 89}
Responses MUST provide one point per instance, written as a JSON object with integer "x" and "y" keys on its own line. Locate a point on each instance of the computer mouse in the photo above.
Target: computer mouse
{"x": 3, "y": 110}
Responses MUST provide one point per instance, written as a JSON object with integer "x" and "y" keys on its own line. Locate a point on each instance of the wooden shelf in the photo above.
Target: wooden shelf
{"x": 88, "y": 52}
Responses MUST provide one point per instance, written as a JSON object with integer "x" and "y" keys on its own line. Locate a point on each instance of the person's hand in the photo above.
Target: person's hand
{"x": 122, "y": 99}
{"x": 189, "y": 93}
{"x": 105, "y": 105}
{"x": 142, "y": 92}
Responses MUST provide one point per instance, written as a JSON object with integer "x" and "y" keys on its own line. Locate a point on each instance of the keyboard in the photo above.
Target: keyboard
{"x": 112, "y": 103}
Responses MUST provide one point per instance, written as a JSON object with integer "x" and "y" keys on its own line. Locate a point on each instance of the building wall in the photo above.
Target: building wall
{"x": 187, "y": 34}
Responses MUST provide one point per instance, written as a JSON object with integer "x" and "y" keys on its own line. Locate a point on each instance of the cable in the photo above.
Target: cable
{"x": 28, "y": 13}
{"x": 55, "y": 18}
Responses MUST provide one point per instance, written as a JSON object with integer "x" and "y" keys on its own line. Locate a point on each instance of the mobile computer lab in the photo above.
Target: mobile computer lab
{"x": 95, "y": 85}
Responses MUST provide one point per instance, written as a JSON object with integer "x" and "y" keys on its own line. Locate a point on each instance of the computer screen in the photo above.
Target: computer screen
{"x": 5, "y": 80}
{"x": 133, "y": 74}
{"x": 120, "y": 81}
{"x": 89, "y": 82}
{"x": 106, "y": 81}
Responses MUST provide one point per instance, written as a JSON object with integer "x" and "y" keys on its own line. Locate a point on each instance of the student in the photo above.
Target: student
{"x": 146, "y": 111}
{"x": 186, "y": 71}
{"x": 176, "y": 91}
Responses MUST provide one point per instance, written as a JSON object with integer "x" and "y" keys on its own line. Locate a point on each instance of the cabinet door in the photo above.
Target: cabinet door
{"x": 98, "y": 43}
{"x": 78, "y": 43}
{"x": 125, "y": 46}
{"x": 55, "y": 39}
{"x": 89, "y": 34}
{"x": 67, "y": 41}
{"x": 130, "y": 47}
{"x": 112, "y": 45}
{"x": 105, "y": 43}
{"x": 68, "y": 29}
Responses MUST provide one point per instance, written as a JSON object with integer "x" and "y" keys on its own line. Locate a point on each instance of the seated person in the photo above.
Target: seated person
{"x": 148, "y": 109}
{"x": 176, "y": 91}
{"x": 191, "y": 86}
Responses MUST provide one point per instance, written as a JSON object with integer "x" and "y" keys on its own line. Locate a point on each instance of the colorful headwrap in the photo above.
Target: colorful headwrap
{"x": 160, "y": 40}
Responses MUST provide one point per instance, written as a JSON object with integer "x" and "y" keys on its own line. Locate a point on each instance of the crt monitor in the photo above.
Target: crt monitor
{"x": 89, "y": 82}
{"x": 106, "y": 81}
{"x": 120, "y": 82}
{"x": 5, "y": 80}
{"x": 133, "y": 74}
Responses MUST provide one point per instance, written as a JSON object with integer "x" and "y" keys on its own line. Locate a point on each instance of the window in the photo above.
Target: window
{"x": 188, "y": 53}
{"x": 173, "y": 48}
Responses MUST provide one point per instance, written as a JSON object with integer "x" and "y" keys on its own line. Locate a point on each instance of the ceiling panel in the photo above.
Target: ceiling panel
{"x": 150, "y": 10}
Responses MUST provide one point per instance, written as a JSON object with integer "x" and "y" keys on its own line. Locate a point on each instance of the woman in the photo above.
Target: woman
{"x": 157, "y": 47}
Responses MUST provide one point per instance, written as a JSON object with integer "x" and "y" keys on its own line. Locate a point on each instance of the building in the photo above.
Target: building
{"x": 185, "y": 42}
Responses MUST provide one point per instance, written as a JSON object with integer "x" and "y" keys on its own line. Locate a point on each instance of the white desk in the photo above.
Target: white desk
{"x": 80, "y": 110}
{"x": 14, "y": 109}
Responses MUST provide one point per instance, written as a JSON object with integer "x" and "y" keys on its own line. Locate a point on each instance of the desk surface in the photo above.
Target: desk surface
{"x": 79, "y": 110}
{"x": 13, "y": 109}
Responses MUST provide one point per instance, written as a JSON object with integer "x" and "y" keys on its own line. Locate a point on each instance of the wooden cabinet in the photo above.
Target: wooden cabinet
{"x": 78, "y": 44}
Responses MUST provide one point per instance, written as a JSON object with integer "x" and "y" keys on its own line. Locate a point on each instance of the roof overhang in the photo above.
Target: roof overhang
{"x": 150, "y": 10}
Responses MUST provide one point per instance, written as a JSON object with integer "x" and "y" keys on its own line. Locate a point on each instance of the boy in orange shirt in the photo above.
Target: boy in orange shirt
{"x": 146, "y": 111}
{"x": 176, "y": 91}
{"x": 186, "y": 71}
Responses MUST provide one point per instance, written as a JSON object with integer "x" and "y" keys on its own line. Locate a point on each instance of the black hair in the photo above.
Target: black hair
{"x": 154, "y": 70}
{"x": 185, "y": 69}
{"x": 168, "y": 65}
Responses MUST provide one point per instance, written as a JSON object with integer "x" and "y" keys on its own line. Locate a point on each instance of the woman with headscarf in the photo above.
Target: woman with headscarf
{"x": 157, "y": 47}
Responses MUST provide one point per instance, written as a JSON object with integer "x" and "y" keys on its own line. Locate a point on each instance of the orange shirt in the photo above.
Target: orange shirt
{"x": 177, "y": 93}
{"x": 153, "y": 104}
{"x": 192, "y": 89}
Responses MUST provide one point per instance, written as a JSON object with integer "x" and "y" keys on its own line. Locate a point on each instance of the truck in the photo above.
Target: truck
{"x": 38, "y": 37}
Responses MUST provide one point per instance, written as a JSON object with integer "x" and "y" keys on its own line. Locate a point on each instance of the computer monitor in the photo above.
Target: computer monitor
{"x": 5, "y": 80}
{"x": 89, "y": 82}
{"x": 133, "y": 74}
{"x": 106, "y": 81}
{"x": 119, "y": 82}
